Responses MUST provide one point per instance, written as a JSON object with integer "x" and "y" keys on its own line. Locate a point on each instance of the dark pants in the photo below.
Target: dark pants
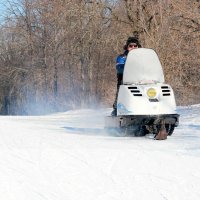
{"x": 119, "y": 82}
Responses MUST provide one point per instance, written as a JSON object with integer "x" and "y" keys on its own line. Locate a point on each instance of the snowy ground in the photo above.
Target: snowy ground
{"x": 68, "y": 156}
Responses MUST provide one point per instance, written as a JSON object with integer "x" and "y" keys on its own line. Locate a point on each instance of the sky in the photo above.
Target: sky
{"x": 2, "y": 8}
{"x": 70, "y": 156}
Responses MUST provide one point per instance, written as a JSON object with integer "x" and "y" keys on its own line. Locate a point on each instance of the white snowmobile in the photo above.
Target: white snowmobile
{"x": 145, "y": 104}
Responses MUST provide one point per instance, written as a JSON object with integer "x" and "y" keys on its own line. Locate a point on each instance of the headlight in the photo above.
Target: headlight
{"x": 151, "y": 92}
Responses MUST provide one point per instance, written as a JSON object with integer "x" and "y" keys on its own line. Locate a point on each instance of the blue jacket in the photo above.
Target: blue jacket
{"x": 120, "y": 62}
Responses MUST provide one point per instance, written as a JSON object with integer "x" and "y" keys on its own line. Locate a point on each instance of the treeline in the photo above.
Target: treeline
{"x": 60, "y": 54}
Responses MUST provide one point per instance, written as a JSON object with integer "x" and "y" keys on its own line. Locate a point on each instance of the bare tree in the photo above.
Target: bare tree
{"x": 60, "y": 54}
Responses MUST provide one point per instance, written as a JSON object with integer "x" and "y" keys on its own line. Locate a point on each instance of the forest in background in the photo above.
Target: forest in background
{"x": 57, "y": 55}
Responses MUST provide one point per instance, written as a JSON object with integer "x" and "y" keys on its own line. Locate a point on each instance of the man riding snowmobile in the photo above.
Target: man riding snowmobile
{"x": 131, "y": 44}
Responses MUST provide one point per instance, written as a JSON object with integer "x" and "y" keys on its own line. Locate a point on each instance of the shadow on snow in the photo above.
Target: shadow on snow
{"x": 89, "y": 131}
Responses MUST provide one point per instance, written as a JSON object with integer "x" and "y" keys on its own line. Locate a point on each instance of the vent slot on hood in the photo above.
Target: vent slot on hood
{"x": 166, "y": 90}
{"x": 132, "y": 88}
{"x": 135, "y": 91}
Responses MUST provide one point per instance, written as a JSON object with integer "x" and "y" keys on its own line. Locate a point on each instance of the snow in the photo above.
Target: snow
{"x": 69, "y": 156}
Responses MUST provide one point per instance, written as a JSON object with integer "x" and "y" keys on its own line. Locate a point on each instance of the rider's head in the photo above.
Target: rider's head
{"x": 132, "y": 43}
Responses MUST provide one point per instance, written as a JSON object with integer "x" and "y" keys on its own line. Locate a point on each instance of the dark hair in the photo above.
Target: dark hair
{"x": 132, "y": 40}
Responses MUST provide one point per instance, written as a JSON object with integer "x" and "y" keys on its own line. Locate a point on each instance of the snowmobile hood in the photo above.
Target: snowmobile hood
{"x": 142, "y": 67}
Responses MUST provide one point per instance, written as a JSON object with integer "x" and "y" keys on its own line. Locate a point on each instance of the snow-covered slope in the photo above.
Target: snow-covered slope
{"x": 68, "y": 156}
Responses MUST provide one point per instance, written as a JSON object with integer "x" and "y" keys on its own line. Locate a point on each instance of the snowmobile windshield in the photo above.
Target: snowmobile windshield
{"x": 142, "y": 67}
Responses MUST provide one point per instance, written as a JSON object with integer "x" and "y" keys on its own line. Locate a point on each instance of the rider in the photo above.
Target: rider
{"x": 131, "y": 43}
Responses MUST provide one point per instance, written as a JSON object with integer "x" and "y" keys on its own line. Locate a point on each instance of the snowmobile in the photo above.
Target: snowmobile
{"x": 145, "y": 103}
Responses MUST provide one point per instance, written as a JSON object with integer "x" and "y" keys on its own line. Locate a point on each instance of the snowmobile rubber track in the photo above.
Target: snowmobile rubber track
{"x": 128, "y": 120}
{"x": 140, "y": 125}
